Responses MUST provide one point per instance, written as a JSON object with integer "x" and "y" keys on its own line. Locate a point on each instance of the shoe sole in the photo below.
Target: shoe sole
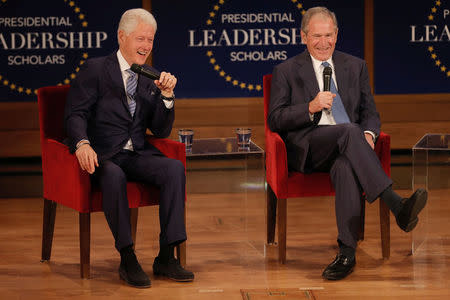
{"x": 421, "y": 201}
{"x": 124, "y": 278}
{"x": 173, "y": 279}
{"x": 338, "y": 278}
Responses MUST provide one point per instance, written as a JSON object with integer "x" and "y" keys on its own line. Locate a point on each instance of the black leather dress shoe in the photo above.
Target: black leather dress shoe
{"x": 407, "y": 218}
{"x": 172, "y": 270}
{"x": 130, "y": 270}
{"x": 339, "y": 268}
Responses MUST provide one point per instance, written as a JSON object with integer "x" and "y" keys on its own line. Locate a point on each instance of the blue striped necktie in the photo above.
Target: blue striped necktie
{"x": 337, "y": 109}
{"x": 131, "y": 91}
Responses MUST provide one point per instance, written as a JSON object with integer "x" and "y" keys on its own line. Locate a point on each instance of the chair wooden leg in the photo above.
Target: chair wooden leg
{"x": 271, "y": 201}
{"x": 48, "y": 227}
{"x": 133, "y": 222}
{"x": 282, "y": 222}
{"x": 181, "y": 254}
{"x": 385, "y": 228}
{"x": 85, "y": 244}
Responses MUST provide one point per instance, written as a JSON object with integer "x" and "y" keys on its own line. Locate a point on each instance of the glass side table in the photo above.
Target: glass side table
{"x": 236, "y": 177}
{"x": 431, "y": 171}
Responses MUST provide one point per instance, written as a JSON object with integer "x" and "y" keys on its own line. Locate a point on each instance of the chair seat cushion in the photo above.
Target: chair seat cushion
{"x": 306, "y": 185}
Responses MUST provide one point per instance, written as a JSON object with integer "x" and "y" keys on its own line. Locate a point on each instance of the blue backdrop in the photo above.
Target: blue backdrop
{"x": 44, "y": 42}
{"x": 412, "y": 53}
{"x": 220, "y": 48}
{"x": 223, "y": 48}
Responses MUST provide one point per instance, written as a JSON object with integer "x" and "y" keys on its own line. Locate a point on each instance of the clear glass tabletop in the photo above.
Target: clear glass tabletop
{"x": 436, "y": 142}
{"x": 221, "y": 147}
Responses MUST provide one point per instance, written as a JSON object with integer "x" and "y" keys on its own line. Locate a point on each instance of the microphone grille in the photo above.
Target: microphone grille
{"x": 136, "y": 68}
{"x": 327, "y": 71}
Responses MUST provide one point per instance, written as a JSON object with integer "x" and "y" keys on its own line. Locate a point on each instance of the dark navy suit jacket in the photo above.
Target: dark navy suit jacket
{"x": 294, "y": 85}
{"x": 97, "y": 110}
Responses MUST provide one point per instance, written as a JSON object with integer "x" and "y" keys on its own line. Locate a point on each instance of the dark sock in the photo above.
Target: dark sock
{"x": 165, "y": 253}
{"x": 346, "y": 250}
{"x": 392, "y": 199}
{"x": 126, "y": 251}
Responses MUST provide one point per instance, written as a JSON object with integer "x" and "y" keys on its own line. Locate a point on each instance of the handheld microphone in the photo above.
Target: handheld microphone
{"x": 142, "y": 71}
{"x": 327, "y": 78}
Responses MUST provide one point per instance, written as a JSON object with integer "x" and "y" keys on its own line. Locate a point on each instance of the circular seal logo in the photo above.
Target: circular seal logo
{"x": 242, "y": 40}
{"x": 43, "y": 45}
{"x": 437, "y": 33}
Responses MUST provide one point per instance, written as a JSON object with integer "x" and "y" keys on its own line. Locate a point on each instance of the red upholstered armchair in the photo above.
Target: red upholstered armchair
{"x": 283, "y": 184}
{"x": 65, "y": 183}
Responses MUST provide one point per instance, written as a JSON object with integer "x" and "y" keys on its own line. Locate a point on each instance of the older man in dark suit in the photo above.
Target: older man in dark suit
{"x": 334, "y": 130}
{"x": 109, "y": 109}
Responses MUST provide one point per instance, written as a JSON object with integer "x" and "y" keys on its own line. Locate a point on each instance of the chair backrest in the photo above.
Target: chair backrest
{"x": 267, "y": 81}
{"x": 52, "y": 101}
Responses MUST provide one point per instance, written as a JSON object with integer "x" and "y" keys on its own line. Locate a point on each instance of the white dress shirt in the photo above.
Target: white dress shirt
{"x": 327, "y": 116}
{"x": 124, "y": 66}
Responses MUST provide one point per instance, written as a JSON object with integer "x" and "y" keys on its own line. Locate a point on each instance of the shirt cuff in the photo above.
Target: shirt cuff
{"x": 374, "y": 137}
{"x": 168, "y": 103}
{"x": 82, "y": 142}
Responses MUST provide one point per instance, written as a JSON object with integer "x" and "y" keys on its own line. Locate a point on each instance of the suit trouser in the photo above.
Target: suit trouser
{"x": 166, "y": 173}
{"x": 354, "y": 168}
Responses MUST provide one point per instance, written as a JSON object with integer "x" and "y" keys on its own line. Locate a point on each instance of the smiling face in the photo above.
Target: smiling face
{"x": 321, "y": 37}
{"x": 137, "y": 45}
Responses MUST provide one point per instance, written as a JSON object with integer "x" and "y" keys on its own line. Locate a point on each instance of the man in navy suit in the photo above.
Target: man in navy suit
{"x": 335, "y": 131}
{"x": 109, "y": 109}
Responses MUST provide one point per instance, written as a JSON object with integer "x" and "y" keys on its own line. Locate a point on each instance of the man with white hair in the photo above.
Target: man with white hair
{"x": 108, "y": 110}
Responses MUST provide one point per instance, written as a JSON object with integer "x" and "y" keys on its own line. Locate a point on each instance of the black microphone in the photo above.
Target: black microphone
{"x": 327, "y": 78}
{"x": 142, "y": 71}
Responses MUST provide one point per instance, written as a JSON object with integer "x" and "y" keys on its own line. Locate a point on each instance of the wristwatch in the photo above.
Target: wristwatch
{"x": 168, "y": 98}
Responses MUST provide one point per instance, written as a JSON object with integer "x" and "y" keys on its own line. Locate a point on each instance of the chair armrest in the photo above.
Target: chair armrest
{"x": 64, "y": 181}
{"x": 383, "y": 151}
{"x": 276, "y": 163}
{"x": 170, "y": 148}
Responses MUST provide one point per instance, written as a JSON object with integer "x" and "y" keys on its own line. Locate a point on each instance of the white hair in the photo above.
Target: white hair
{"x": 132, "y": 17}
{"x": 318, "y": 10}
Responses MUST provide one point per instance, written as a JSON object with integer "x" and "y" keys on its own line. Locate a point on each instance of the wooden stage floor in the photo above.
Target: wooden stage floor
{"x": 227, "y": 253}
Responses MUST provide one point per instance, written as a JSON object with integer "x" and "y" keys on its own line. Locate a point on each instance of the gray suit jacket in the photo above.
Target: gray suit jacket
{"x": 294, "y": 85}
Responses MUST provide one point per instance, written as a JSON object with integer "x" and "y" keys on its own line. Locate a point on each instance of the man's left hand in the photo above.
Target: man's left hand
{"x": 166, "y": 83}
{"x": 369, "y": 139}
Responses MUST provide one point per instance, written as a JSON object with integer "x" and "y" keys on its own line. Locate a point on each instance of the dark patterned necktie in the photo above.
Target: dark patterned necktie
{"x": 337, "y": 109}
{"x": 131, "y": 91}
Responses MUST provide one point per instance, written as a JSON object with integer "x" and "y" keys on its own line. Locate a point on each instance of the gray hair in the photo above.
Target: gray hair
{"x": 325, "y": 12}
{"x": 132, "y": 17}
